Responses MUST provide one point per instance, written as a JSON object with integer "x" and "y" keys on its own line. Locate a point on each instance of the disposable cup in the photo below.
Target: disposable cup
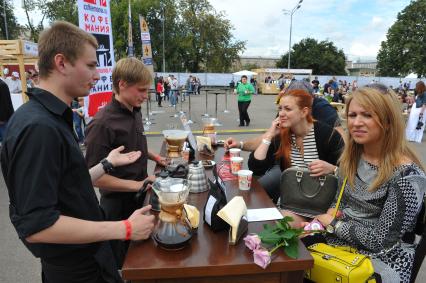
{"x": 234, "y": 152}
{"x": 236, "y": 164}
{"x": 244, "y": 179}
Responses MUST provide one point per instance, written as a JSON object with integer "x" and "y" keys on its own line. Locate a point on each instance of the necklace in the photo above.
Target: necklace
{"x": 294, "y": 144}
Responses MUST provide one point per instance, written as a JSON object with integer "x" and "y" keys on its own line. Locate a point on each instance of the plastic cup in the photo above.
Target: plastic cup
{"x": 236, "y": 164}
{"x": 234, "y": 152}
{"x": 244, "y": 179}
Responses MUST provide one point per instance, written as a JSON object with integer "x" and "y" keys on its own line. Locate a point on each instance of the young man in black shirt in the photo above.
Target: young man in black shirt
{"x": 120, "y": 123}
{"x": 53, "y": 205}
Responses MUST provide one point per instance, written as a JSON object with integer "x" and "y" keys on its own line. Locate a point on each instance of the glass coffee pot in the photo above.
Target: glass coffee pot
{"x": 173, "y": 230}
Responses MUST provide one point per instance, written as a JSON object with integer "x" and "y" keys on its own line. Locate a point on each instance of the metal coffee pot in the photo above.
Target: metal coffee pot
{"x": 197, "y": 178}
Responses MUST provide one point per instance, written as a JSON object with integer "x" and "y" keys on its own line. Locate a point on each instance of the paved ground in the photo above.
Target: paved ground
{"x": 18, "y": 265}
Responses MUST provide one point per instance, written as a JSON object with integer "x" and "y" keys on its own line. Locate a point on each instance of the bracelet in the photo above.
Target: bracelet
{"x": 265, "y": 141}
{"x": 335, "y": 171}
{"x": 107, "y": 166}
{"x": 128, "y": 229}
{"x": 157, "y": 158}
{"x": 241, "y": 145}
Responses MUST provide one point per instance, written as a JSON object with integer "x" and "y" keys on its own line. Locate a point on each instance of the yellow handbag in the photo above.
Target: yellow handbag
{"x": 339, "y": 263}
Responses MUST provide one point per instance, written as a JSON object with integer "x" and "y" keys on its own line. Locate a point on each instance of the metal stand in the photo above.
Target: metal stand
{"x": 148, "y": 105}
{"x": 217, "y": 123}
{"x": 226, "y": 102}
{"x": 189, "y": 109}
{"x": 181, "y": 102}
{"x": 206, "y": 114}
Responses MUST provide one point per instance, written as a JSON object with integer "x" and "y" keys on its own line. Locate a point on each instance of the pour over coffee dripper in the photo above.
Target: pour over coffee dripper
{"x": 175, "y": 140}
{"x": 173, "y": 230}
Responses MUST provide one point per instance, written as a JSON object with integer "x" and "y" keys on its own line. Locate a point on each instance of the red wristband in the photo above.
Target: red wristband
{"x": 157, "y": 158}
{"x": 128, "y": 229}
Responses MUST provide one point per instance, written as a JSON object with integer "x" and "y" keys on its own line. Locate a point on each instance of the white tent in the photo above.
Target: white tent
{"x": 411, "y": 76}
{"x": 244, "y": 73}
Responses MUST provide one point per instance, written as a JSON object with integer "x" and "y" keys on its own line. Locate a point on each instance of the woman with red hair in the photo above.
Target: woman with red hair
{"x": 296, "y": 140}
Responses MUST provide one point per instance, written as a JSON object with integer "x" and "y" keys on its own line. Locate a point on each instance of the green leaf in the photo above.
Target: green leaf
{"x": 270, "y": 238}
{"x": 292, "y": 250}
{"x": 289, "y": 234}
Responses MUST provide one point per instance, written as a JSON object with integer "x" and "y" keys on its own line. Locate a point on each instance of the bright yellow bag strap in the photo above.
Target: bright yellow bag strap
{"x": 340, "y": 197}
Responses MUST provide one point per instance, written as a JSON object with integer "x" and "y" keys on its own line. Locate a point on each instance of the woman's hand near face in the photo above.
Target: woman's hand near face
{"x": 319, "y": 168}
{"x": 274, "y": 130}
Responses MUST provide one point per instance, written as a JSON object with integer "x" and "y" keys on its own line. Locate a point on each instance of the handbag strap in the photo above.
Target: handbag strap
{"x": 340, "y": 197}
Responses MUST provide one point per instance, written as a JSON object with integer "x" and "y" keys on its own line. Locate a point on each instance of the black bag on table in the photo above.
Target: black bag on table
{"x": 305, "y": 195}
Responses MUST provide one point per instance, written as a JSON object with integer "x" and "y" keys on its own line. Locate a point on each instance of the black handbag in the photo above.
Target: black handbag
{"x": 305, "y": 195}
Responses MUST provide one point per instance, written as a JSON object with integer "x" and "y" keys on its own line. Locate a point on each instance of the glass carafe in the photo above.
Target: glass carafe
{"x": 173, "y": 230}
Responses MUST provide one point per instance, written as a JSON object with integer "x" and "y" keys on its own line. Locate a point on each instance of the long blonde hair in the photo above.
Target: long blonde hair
{"x": 383, "y": 105}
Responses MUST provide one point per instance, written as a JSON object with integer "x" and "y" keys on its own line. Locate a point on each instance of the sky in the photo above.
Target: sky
{"x": 356, "y": 26}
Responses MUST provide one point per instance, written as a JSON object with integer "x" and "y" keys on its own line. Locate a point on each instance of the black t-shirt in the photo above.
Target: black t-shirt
{"x": 113, "y": 126}
{"x": 46, "y": 175}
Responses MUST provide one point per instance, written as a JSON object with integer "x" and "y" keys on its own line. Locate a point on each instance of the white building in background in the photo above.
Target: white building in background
{"x": 361, "y": 68}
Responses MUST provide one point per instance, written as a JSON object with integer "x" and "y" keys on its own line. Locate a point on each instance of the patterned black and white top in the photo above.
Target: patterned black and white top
{"x": 310, "y": 152}
{"x": 375, "y": 222}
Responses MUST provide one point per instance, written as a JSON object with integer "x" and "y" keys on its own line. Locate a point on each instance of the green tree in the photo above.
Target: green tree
{"x": 404, "y": 50}
{"x": 322, "y": 57}
{"x": 13, "y": 27}
{"x": 60, "y": 10}
{"x": 34, "y": 28}
{"x": 206, "y": 38}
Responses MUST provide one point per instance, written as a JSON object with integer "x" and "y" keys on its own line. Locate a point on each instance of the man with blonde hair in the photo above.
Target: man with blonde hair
{"x": 53, "y": 205}
{"x": 120, "y": 123}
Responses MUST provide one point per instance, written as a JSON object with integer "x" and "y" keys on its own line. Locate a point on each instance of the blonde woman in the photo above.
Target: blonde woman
{"x": 385, "y": 187}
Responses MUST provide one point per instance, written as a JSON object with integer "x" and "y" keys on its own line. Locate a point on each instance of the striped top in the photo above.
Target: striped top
{"x": 309, "y": 148}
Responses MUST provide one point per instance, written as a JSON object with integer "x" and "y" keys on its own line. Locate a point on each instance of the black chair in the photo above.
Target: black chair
{"x": 420, "y": 253}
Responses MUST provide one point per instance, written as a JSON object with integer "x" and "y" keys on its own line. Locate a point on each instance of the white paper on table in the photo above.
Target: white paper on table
{"x": 263, "y": 214}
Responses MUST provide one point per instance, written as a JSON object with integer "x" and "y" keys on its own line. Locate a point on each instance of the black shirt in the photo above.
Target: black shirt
{"x": 113, "y": 126}
{"x": 324, "y": 112}
{"x": 6, "y": 106}
{"x": 46, "y": 175}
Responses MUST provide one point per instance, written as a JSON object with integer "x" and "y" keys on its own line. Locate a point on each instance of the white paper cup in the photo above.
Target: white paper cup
{"x": 236, "y": 164}
{"x": 244, "y": 179}
{"x": 234, "y": 152}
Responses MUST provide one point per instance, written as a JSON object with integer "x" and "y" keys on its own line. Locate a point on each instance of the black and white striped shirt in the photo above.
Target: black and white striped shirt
{"x": 309, "y": 149}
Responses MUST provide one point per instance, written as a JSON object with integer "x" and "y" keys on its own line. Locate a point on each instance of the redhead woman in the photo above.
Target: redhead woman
{"x": 295, "y": 139}
{"x": 385, "y": 185}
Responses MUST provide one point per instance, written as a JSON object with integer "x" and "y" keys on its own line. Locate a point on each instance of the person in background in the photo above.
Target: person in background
{"x": 245, "y": 91}
{"x": 416, "y": 120}
{"x": 120, "y": 123}
{"x": 315, "y": 85}
{"x": 159, "y": 91}
{"x": 385, "y": 186}
{"x": 52, "y": 202}
{"x": 14, "y": 83}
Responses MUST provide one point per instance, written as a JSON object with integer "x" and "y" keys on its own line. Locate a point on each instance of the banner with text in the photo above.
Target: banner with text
{"x": 146, "y": 45}
{"x": 94, "y": 17}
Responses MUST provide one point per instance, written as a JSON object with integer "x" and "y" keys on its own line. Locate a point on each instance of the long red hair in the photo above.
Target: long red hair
{"x": 303, "y": 99}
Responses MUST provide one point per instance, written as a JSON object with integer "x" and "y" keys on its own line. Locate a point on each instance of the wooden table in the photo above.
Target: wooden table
{"x": 209, "y": 257}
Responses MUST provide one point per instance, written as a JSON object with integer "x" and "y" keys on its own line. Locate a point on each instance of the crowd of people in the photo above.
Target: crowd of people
{"x": 51, "y": 183}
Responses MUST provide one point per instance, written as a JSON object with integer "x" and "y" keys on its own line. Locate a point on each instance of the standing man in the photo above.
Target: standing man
{"x": 53, "y": 205}
{"x": 245, "y": 91}
{"x": 120, "y": 123}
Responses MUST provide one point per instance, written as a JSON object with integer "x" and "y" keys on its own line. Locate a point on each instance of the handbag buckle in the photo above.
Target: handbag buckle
{"x": 321, "y": 180}
{"x": 327, "y": 257}
{"x": 299, "y": 175}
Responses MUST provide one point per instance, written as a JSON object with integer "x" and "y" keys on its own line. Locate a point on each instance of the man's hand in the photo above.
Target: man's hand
{"x": 116, "y": 158}
{"x": 142, "y": 225}
{"x": 162, "y": 161}
{"x": 231, "y": 143}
